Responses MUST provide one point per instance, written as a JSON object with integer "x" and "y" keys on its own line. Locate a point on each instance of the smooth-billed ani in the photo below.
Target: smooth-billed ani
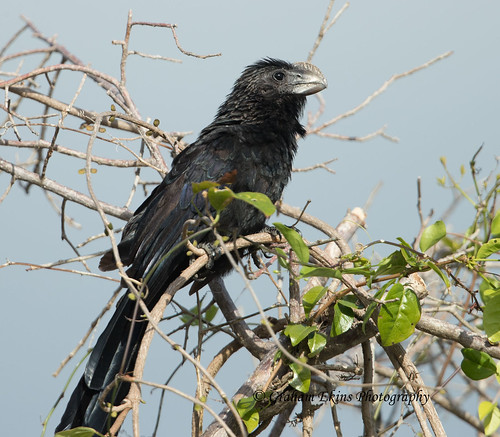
{"x": 250, "y": 144}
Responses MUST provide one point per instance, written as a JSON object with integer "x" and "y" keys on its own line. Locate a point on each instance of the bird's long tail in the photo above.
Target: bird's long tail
{"x": 110, "y": 356}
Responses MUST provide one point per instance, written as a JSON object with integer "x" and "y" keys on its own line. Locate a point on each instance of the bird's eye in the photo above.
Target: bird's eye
{"x": 279, "y": 76}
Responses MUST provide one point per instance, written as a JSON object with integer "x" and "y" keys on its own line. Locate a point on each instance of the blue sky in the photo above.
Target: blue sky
{"x": 447, "y": 110}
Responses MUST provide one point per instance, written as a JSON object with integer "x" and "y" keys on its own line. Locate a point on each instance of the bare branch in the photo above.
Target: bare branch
{"x": 42, "y": 144}
{"x": 378, "y": 92}
{"x": 323, "y": 165}
{"x": 248, "y": 338}
{"x": 48, "y": 184}
{"x": 325, "y": 27}
{"x": 445, "y": 330}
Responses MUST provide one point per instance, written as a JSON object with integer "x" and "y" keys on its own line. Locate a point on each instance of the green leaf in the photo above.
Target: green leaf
{"x": 277, "y": 356}
{"x": 205, "y": 185}
{"x": 452, "y": 244}
{"x": 368, "y": 313}
{"x": 282, "y": 258}
{"x": 81, "y": 431}
{"x": 488, "y": 294}
{"x": 439, "y": 272}
{"x": 431, "y": 235}
{"x": 207, "y": 316}
{"x": 408, "y": 255}
{"x": 373, "y": 305}
{"x": 220, "y": 198}
{"x": 365, "y": 271}
{"x": 301, "y": 377}
{"x": 488, "y": 248}
{"x": 191, "y": 319}
{"x": 495, "y": 225}
{"x": 343, "y": 317}
{"x": 198, "y": 407}
{"x": 397, "y": 320}
{"x": 316, "y": 344}
{"x": 488, "y": 288}
{"x": 491, "y": 317}
{"x": 210, "y": 313}
{"x": 258, "y": 200}
{"x": 490, "y": 415}
{"x": 245, "y": 404}
{"x": 350, "y": 301}
{"x": 394, "y": 263}
{"x": 320, "y": 272}
{"x": 295, "y": 241}
{"x": 404, "y": 242}
{"x": 248, "y": 412}
{"x": 297, "y": 333}
{"x": 381, "y": 292}
{"x": 311, "y": 298}
{"x": 477, "y": 365}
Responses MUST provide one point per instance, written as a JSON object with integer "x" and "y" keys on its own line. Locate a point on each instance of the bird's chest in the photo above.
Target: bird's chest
{"x": 264, "y": 169}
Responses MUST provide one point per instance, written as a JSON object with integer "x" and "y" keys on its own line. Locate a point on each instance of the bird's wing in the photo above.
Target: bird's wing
{"x": 156, "y": 226}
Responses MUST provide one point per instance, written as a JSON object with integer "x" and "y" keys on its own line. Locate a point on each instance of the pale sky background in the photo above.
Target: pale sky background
{"x": 447, "y": 110}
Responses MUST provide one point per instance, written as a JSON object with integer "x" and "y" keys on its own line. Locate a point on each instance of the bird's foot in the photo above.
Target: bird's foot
{"x": 213, "y": 251}
{"x": 273, "y": 232}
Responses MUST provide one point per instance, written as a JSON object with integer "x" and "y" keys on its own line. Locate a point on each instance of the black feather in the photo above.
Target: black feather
{"x": 253, "y": 137}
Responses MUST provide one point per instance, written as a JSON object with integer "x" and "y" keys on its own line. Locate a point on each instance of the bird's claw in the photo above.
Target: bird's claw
{"x": 213, "y": 252}
{"x": 272, "y": 231}
{"x": 275, "y": 233}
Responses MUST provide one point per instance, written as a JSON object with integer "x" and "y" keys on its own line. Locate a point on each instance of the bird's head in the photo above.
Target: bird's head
{"x": 270, "y": 86}
{"x": 273, "y": 78}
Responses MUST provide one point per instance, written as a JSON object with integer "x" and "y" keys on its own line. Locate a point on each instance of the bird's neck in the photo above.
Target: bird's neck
{"x": 284, "y": 112}
{"x": 275, "y": 124}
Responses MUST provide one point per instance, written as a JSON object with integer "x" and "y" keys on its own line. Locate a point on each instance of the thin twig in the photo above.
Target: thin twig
{"x": 379, "y": 91}
{"x": 68, "y": 193}
{"x": 323, "y": 165}
{"x": 87, "y": 334}
{"x": 325, "y": 27}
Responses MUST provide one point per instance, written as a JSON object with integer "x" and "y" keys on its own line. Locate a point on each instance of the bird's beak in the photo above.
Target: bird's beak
{"x": 308, "y": 79}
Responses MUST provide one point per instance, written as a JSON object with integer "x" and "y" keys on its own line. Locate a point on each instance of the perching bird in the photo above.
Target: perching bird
{"x": 249, "y": 145}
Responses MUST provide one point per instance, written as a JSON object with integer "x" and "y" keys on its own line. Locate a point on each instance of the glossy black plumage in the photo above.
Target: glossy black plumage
{"x": 252, "y": 139}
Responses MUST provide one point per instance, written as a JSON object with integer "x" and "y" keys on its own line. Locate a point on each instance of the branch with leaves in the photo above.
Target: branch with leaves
{"x": 429, "y": 307}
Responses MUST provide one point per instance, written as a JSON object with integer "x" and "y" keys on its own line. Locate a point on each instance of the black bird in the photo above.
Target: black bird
{"x": 250, "y": 144}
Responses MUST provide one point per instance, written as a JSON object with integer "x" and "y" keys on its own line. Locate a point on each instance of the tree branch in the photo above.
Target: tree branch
{"x": 48, "y": 184}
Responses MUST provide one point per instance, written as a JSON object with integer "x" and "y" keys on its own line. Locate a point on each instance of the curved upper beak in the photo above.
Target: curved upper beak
{"x": 308, "y": 79}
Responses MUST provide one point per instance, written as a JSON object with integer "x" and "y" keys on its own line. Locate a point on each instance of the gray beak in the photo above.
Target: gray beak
{"x": 308, "y": 79}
